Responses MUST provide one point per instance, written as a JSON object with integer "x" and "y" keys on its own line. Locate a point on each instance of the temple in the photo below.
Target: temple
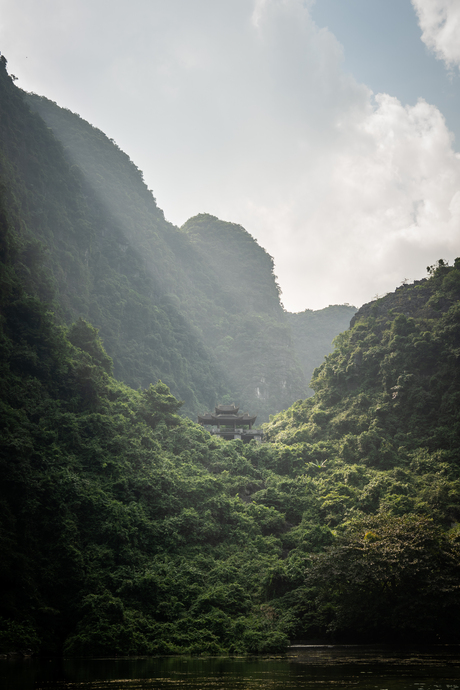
{"x": 229, "y": 424}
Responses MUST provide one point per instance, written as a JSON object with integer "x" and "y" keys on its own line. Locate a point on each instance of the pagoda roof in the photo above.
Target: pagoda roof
{"x": 226, "y": 409}
{"x": 227, "y": 419}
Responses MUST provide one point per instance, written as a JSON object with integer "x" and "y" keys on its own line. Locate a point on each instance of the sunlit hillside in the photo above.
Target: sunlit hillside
{"x": 125, "y": 527}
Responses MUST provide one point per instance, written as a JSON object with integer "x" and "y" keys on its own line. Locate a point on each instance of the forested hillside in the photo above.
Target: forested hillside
{"x": 383, "y": 431}
{"x": 243, "y": 320}
{"x": 229, "y": 339}
{"x": 391, "y": 387}
{"x": 90, "y": 266}
{"x": 125, "y": 528}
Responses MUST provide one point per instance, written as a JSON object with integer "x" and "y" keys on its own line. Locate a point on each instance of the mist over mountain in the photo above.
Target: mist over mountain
{"x": 197, "y": 307}
{"x": 210, "y": 279}
{"x": 314, "y": 331}
{"x": 126, "y": 528}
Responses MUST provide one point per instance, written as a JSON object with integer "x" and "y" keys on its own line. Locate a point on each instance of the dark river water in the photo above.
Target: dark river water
{"x": 311, "y": 668}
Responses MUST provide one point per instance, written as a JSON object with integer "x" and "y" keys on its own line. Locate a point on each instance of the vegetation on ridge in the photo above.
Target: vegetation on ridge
{"x": 128, "y": 529}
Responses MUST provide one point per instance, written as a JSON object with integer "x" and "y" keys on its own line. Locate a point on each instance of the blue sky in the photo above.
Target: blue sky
{"x": 383, "y": 49}
{"x": 325, "y": 128}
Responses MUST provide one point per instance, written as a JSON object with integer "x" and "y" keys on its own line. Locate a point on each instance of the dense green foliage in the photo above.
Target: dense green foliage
{"x": 391, "y": 387}
{"x": 389, "y": 578}
{"x": 122, "y": 530}
{"x": 127, "y": 529}
{"x": 383, "y": 429}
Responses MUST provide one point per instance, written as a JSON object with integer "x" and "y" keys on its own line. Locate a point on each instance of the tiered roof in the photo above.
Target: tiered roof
{"x": 227, "y": 415}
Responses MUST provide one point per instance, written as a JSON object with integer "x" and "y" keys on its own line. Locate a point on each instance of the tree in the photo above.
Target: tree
{"x": 84, "y": 336}
{"x": 387, "y": 577}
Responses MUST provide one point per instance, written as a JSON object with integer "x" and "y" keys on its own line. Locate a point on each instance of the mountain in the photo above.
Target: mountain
{"x": 125, "y": 528}
{"x": 197, "y": 307}
{"x": 390, "y": 388}
{"x": 166, "y": 302}
{"x": 314, "y": 331}
{"x": 87, "y": 266}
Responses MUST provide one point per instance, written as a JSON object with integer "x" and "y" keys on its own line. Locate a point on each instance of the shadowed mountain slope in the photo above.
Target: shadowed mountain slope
{"x": 142, "y": 280}
{"x": 91, "y": 267}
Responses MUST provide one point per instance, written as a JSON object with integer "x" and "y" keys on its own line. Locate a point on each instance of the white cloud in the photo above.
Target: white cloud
{"x": 242, "y": 109}
{"x": 389, "y": 205}
{"x": 440, "y": 24}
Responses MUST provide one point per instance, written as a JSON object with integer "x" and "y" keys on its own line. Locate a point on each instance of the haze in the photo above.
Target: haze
{"x": 326, "y": 129}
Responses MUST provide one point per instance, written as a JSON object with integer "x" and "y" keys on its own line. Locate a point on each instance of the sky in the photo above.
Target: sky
{"x": 329, "y": 129}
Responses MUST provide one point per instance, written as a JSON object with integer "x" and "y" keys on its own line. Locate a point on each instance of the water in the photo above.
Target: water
{"x": 306, "y": 668}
